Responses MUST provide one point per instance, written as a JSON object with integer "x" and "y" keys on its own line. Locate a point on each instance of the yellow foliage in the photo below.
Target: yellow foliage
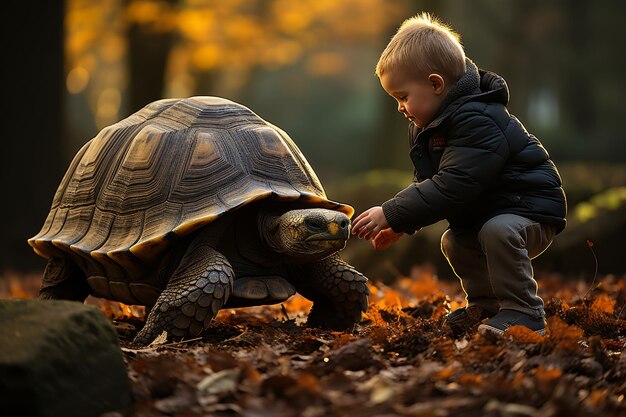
{"x": 612, "y": 199}
{"x": 585, "y": 211}
{"x": 290, "y": 19}
{"x": 270, "y": 33}
{"x": 327, "y": 63}
{"x": 77, "y": 80}
{"x": 113, "y": 47}
{"x": 206, "y": 57}
{"x": 196, "y": 25}
{"x": 146, "y": 11}
{"x": 243, "y": 29}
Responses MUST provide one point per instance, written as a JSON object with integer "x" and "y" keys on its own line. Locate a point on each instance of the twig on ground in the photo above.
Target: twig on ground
{"x": 230, "y": 339}
{"x": 154, "y": 347}
{"x": 595, "y": 275}
{"x": 182, "y": 342}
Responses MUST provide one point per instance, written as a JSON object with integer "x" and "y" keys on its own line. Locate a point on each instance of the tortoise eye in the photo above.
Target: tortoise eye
{"x": 313, "y": 224}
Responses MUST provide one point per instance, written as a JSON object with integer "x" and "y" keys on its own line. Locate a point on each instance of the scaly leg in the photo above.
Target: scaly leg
{"x": 339, "y": 292}
{"x": 63, "y": 280}
{"x": 197, "y": 290}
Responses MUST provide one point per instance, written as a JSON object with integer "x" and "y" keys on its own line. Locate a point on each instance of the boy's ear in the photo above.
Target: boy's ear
{"x": 438, "y": 83}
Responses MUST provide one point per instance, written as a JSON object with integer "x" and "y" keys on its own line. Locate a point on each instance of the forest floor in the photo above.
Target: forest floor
{"x": 401, "y": 360}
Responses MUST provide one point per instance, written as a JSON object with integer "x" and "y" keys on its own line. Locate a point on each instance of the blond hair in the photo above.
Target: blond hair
{"x": 424, "y": 45}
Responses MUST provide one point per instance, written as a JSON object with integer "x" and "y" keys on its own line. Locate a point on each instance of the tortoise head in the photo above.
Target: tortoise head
{"x": 305, "y": 234}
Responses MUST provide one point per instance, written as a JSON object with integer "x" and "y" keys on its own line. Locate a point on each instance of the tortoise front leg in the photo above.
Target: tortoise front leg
{"x": 197, "y": 290}
{"x": 339, "y": 293}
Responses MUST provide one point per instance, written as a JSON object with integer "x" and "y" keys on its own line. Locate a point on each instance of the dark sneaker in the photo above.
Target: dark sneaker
{"x": 509, "y": 318}
{"x": 465, "y": 318}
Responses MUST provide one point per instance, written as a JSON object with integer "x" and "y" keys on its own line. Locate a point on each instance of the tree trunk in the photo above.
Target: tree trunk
{"x": 31, "y": 139}
{"x": 147, "y": 59}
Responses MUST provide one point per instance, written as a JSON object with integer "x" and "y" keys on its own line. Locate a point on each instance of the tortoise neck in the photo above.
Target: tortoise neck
{"x": 269, "y": 224}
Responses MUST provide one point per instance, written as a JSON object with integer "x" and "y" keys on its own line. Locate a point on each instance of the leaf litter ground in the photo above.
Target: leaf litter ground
{"x": 401, "y": 361}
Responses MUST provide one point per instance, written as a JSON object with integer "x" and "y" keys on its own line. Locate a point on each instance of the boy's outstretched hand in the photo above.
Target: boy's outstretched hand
{"x": 369, "y": 223}
{"x": 385, "y": 238}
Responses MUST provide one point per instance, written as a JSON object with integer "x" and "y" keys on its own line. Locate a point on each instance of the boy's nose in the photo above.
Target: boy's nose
{"x": 401, "y": 108}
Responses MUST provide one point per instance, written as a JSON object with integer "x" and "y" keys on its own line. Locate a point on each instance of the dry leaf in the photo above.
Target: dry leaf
{"x": 219, "y": 382}
{"x": 603, "y": 304}
{"x": 160, "y": 339}
{"x": 524, "y": 334}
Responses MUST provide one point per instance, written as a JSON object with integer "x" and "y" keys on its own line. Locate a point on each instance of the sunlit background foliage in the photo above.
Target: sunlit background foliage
{"x": 291, "y": 61}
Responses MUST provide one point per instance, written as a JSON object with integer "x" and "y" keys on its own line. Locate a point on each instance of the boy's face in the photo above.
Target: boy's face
{"x": 418, "y": 100}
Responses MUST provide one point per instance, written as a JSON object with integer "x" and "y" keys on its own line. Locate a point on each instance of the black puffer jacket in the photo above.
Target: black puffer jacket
{"x": 475, "y": 161}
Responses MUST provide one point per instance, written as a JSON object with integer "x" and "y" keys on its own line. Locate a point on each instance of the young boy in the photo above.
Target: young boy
{"x": 475, "y": 166}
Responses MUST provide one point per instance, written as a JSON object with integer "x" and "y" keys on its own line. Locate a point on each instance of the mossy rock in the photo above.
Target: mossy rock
{"x": 59, "y": 358}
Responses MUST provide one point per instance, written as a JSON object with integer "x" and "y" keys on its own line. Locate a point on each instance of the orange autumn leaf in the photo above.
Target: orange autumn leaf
{"x": 524, "y": 334}
{"x": 373, "y": 314}
{"x": 251, "y": 373}
{"x": 603, "y": 304}
{"x": 546, "y": 375}
{"x": 566, "y": 337}
{"x": 420, "y": 285}
{"x": 443, "y": 374}
{"x": 470, "y": 379}
{"x": 518, "y": 379}
{"x": 298, "y": 304}
{"x": 309, "y": 383}
{"x": 597, "y": 397}
{"x": 17, "y": 291}
{"x": 116, "y": 310}
{"x": 343, "y": 339}
{"x": 379, "y": 334}
{"x": 561, "y": 330}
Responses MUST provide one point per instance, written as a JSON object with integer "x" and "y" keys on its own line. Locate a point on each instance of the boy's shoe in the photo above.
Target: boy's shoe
{"x": 509, "y": 318}
{"x": 465, "y": 318}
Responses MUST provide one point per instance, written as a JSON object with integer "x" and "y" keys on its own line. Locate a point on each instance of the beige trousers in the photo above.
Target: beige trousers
{"x": 494, "y": 262}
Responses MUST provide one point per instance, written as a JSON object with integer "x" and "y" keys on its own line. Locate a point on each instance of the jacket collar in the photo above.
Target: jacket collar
{"x": 474, "y": 85}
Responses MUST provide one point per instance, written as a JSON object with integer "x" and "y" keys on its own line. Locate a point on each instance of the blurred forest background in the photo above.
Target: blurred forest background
{"x": 308, "y": 67}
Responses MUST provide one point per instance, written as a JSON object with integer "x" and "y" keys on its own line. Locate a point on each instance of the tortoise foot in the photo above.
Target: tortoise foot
{"x": 197, "y": 291}
{"x": 339, "y": 315}
{"x": 339, "y": 293}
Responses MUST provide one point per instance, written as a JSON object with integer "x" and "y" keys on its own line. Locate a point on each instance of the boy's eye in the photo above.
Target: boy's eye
{"x": 403, "y": 98}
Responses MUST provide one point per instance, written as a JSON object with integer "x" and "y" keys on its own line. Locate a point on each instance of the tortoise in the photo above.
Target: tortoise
{"x": 191, "y": 205}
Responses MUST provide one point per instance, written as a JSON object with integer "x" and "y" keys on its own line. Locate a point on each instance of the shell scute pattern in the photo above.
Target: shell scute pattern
{"x": 169, "y": 169}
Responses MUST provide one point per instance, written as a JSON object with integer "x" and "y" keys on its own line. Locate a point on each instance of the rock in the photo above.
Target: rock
{"x": 59, "y": 358}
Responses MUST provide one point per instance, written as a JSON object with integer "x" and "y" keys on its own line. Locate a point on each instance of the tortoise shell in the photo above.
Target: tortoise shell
{"x": 166, "y": 171}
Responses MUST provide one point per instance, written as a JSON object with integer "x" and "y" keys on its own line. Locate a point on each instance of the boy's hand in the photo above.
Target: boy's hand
{"x": 369, "y": 223}
{"x": 385, "y": 238}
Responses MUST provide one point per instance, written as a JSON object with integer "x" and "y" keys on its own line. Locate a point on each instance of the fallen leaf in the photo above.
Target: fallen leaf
{"x": 523, "y": 334}
{"x": 159, "y": 340}
{"x": 603, "y": 304}
{"x": 220, "y": 382}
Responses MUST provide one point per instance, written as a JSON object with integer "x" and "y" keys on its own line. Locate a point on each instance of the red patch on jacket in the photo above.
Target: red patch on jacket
{"x": 439, "y": 143}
